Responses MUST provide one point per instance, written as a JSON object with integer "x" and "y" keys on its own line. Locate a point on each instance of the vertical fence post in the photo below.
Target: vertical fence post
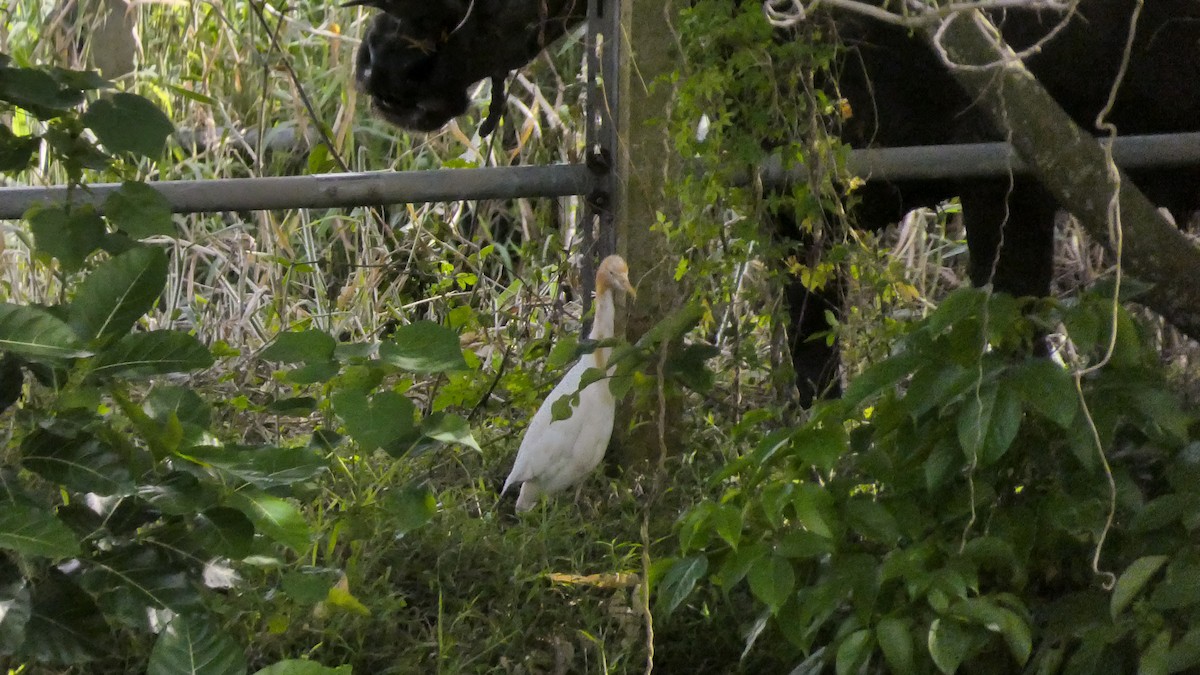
{"x": 598, "y": 235}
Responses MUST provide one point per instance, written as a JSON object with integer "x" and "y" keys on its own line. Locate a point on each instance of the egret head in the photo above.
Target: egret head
{"x": 614, "y": 273}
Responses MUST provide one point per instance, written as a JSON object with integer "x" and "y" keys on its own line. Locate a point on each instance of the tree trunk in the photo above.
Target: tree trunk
{"x": 1072, "y": 166}
{"x": 645, "y": 164}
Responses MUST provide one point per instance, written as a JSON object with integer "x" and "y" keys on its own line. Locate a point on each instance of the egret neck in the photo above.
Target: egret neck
{"x": 602, "y": 322}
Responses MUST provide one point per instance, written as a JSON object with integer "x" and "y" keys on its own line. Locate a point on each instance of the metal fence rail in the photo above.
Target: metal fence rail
{"x": 325, "y": 191}
{"x": 393, "y": 187}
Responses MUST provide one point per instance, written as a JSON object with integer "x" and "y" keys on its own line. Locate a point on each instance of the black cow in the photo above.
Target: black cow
{"x": 903, "y": 95}
{"x": 420, "y": 57}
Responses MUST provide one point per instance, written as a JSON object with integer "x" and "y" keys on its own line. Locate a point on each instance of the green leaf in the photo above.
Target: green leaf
{"x": 66, "y": 627}
{"x": 37, "y": 334}
{"x": 139, "y": 576}
{"x": 16, "y": 152}
{"x": 129, "y": 123}
{"x": 155, "y": 353}
{"x": 193, "y": 644}
{"x": 988, "y": 423}
{"x": 1155, "y": 655}
{"x": 70, "y": 236}
{"x": 1185, "y": 653}
{"x": 1047, "y": 389}
{"x": 305, "y": 346}
{"x": 772, "y": 581}
{"x": 814, "y": 509}
{"x": 727, "y": 520}
{"x": 375, "y": 422}
{"x": 410, "y": 507}
{"x": 139, "y": 211}
{"x": 879, "y": 377}
{"x": 737, "y": 563}
{"x": 309, "y": 585}
{"x": 16, "y": 608}
{"x": 948, "y": 644}
{"x": 277, "y": 518}
{"x": 680, "y": 579}
{"x": 822, "y": 446}
{"x": 265, "y": 467}
{"x": 998, "y": 619}
{"x": 82, "y": 463}
{"x": 423, "y": 347}
{"x": 895, "y": 639}
{"x": 449, "y": 428}
{"x": 118, "y": 293}
{"x": 225, "y": 532}
{"x": 1133, "y": 580}
{"x": 853, "y": 652}
{"x": 674, "y": 326}
{"x": 33, "y": 532}
{"x": 300, "y": 667}
{"x": 186, "y": 405}
{"x": 872, "y": 520}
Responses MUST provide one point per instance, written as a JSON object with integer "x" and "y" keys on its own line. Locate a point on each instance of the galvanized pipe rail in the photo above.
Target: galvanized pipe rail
{"x": 392, "y": 187}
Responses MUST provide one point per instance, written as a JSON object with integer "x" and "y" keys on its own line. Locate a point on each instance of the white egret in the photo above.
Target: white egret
{"x": 556, "y": 454}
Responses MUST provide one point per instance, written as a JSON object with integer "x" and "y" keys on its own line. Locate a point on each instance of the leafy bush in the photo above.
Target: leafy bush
{"x": 946, "y": 513}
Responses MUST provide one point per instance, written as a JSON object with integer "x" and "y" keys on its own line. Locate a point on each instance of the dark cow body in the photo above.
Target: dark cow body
{"x": 902, "y": 95}
{"x": 420, "y": 57}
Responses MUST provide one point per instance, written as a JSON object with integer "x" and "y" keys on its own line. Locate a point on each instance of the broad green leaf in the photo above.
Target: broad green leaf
{"x": 737, "y": 563}
{"x": 853, "y": 652}
{"x": 727, "y": 520}
{"x": 299, "y": 406}
{"x": 277, "y": 518}
{"x": 16, "y": 607}
{"x": 33, "y": 532}
{"x": 948, "y": 644}
{"x": 16, "y": 152}
{"x": 377, "y": 421}
{"x": 36, "y": 333}
{"x": 1047, "y": 389}
{"x": 988, "y": 423}
{"x": 305, "y": 346}
{"x": 814, "y": 509}
{"x": 879, "y": 377}
{"x": 410, "y": 507}
{"x": 872, "y": 520}
{"x": 37, "y": 91}
{"x": 309, "y": 585}
{"x": 265, "y": 467}
{"x": 129, "y": 123}
{"x": 1165, "y": 510}
{"x": 68, "y": 235}
{"x": 1181, "y": 587}
{"x": 140, "y": 211}
{"x": 1133, "y": 580}
{"x": 66, "y": 627}
{"x": 341, "y": 598}
{"x": 1012, "y": 628}
{"x": 1185, "y": 653}
{"x": 187, "y": 406}
{"x": 822, "y": 446}
{"x": 1156, "y": 655}
{"x": 680, "y": 579}
{"x": 312, "y": 373}
{"x": 423, "y": 347}
{"x": 225, "y": 532}
{"x": 82, "y": 463}
{"x": 118, "y": 293}
{"x": 772, "y": 581}
{"x": 300, "y": 667}
{"x": 139, "y": 576}
{"x": 155, "y": 353}
{"x": 797, "y": 543}
{"x": 674, "y": 326}
{"x": 564, "y": 351}
{"x": 193, "y": 644}
{"x": 896, "y": 641}
{"x": 937, "y": 384}
{"x": 449, "y": 428}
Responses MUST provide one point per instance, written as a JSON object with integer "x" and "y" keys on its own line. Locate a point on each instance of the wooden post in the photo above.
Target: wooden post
{"x": 645, "y": 163}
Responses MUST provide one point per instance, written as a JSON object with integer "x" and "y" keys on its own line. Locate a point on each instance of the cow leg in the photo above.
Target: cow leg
{"x": 1010, "y": 234}
{"x": 814, "y": 360}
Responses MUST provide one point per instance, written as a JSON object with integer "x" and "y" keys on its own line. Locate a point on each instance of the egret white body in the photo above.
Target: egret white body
{"x": 556, "y": 454}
